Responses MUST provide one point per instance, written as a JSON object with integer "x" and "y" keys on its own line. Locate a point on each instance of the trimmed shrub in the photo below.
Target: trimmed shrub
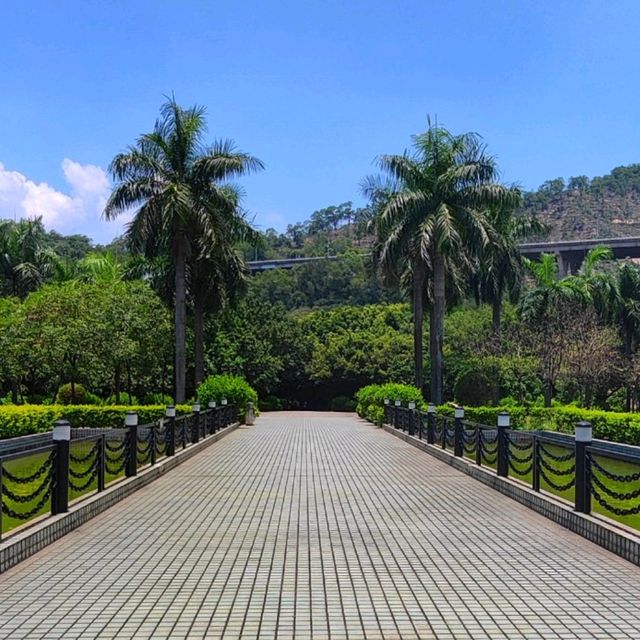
{"x": 370, "y": 399}
{"x": 30, "y": 418}
{"x": 476, "y": 387}
{"x": 343, "y": 403}
{"x": 607, "y": 425}
{"x": 272, "y": 403}
{"x": 81, "y": 395}
{"x": 235, "y": 389}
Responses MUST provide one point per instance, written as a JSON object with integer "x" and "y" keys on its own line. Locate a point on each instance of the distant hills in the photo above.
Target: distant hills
{"x": 601, "y": 207}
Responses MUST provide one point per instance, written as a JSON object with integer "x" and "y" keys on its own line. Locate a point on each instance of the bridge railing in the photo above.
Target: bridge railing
{"x": 46, "y": 479}
{"x": 593, "y": 475}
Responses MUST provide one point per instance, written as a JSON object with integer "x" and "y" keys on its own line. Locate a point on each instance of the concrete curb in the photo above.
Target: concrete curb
{"x": 20, "y": 546}
{"x": 617, "y": 540}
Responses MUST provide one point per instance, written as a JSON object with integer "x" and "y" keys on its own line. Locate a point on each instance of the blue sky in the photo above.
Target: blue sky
{"x": 314, "y": 89}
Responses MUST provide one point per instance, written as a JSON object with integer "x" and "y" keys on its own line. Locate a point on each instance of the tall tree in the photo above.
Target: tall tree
{"x": 433, "y": 214}
{"x": 26, "y": 262}
{"x": 500, "y": 268}
{"x": 172, "y": 180}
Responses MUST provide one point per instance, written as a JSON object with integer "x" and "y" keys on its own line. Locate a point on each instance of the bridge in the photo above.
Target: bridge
{"x": 319, "y": 525}
{"x": 570, "y": 253}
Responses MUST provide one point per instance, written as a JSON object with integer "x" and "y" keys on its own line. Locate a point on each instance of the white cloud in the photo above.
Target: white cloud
{"x": 78, "y": 211}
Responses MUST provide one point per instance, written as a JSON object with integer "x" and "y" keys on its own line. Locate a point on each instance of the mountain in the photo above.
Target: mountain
{"x": 601, "y": 207}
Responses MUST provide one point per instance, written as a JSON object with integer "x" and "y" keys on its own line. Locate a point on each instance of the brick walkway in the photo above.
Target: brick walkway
{"x": 317, "y": 525}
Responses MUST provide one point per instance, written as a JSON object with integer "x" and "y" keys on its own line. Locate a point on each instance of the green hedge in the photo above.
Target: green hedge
{"x": 607, "y": 425}
{"x": 370, "y": 399}
{"x": 235, "y": 389}
{"x": 34, "y": 418}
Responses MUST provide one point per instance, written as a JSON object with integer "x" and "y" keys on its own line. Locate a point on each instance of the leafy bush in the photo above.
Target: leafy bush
{"x": 476, "y": 387}
{"x": 370, "y": 399}
{"x": 24, "y": 419}
{"x": 124, "y": 400}
{"x": 157, "y": 398}
{"x": 235, "y": 389}
{"x": 272, "y": 403}
{"x": 343, "y": 403}
{"x": 607, "y": 425}
{"x": 81, "y": 395}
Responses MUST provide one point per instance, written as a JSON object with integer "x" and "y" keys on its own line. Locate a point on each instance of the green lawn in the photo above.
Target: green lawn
{"x": 29, "y": 464}
{"x": 615, "y": 466}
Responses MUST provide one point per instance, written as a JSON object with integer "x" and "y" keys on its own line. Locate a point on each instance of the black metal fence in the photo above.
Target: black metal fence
{"x": 592, "y": 474}
{"x": 46, "y": 478}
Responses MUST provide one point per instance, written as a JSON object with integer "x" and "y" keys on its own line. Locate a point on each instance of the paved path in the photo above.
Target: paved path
{"x": 319, "y": 525}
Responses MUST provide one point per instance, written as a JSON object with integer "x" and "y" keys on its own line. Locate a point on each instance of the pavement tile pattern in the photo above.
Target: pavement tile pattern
{"x": 312, "y": 525}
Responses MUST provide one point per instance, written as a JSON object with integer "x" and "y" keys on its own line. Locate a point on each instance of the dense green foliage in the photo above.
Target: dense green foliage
{"x": 370, "y": 399}
{"x": 234, "y": 389}
{"x": 25, "y": 419}
{"x": 109, "y": 337}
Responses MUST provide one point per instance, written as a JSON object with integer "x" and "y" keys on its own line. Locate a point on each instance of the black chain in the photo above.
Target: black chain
{"x": 556, "y": 472}
{"x": 631, "y": 511}
{"x": 88, "y": 456}
{"x": 553, "y": 456}
{"x": 85, "y": 485}
{"x": 521, "y": 472}
{"x": 16, "y": 515}
{"x": 520, "y": 460}
{"x": 116, "y": 449}
{"x": 632, "y": 477}
{"x": 29, "y": 497}
{"x": 519, "y": 445}
{"x": 46, "y": 465}
{"x": 553, "y": 485}
{"x": 629, "y": 495}
{"x": 489, "y": 459}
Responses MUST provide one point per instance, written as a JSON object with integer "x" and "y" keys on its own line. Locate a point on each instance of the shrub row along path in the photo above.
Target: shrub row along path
{"x": 312, "y": 525}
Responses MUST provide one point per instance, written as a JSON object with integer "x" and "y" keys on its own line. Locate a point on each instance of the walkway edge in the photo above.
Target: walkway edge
{"x": 618, "y": 541}
{"x": 20, "y": 546}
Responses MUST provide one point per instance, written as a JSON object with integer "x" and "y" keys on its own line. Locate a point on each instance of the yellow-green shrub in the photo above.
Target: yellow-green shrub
{"x": 31, "y": 418}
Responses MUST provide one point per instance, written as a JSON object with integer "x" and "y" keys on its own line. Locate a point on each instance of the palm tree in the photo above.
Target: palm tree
{"x": 26, "y": 261}
{"x": 432, "y": 217}
{"x": 500, "y": 268}
{"x": 549, "y": 290}
{"x": 173, "y": 180}
{"x": 218, "y": 274}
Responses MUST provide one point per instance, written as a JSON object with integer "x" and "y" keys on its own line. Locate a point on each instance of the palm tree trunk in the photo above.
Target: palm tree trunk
{"x": 436, "y": 330}
{"x": 198, "y": 331}
{"x": 548, "y": 393}
{"x": 496, "y": 310}
{"x": 180, "y": 319}
{"x": 418, "y": 323}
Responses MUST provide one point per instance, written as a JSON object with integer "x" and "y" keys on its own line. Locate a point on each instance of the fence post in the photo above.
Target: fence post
{"x": 458, "y": 432}
{"x": 412, "y": 419}
{"x": 584, "y": 436}
{"x": 504, "y": 422}
{"x": 102, "y": 447}
{"x": 170, "y": 432}
{"x": 153, "y": 435}
{"x": 396, "y": 414}
{"x": 131, "y": 424}
{"x": 195, "y": 424}
{"x": 535, "y": 471}
{"x": 225, "y": 413}
{"x": 431, "y": 420}
{"x": 211, "y": 416}
{"x": 60, "y": 496}
{"x": 387, "y": 412}
{"x": 478, "y": 442}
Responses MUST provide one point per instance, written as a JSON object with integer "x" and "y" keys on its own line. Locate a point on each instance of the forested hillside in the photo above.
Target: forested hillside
{"x": 602, "y": 207}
